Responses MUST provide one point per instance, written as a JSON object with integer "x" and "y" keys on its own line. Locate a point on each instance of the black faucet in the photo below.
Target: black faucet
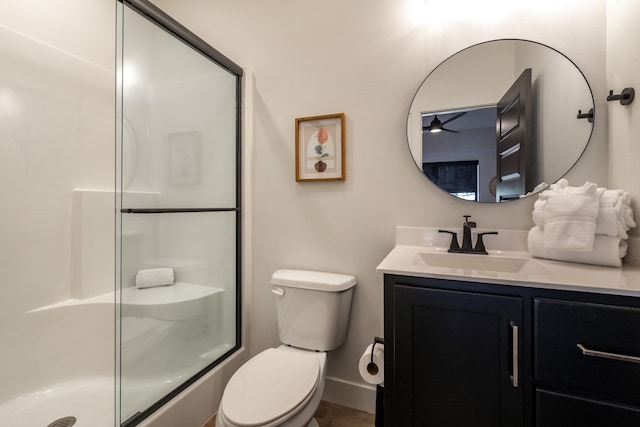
{"x": 467, "y": 246}
{"x": 466, "y": 233}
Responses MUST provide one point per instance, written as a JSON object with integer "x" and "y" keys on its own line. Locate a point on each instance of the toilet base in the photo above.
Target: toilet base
{"x": 313, "y": 423}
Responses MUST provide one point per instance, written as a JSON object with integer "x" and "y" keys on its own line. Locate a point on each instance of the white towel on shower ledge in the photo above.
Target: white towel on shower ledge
{"x": 153, "y": 277}
{"x": 607, "y": 251}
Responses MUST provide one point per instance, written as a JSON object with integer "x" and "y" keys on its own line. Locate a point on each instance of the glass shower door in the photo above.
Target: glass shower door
{"x": 180, "y": 209}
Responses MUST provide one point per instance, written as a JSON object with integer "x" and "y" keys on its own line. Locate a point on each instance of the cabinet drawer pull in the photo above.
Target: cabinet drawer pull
{"x": 605, "y": 355}
{"x": 514, "y": 353}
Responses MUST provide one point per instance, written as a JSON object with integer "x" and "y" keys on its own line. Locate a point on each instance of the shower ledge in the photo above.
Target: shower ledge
{"x": 173, "y": 302}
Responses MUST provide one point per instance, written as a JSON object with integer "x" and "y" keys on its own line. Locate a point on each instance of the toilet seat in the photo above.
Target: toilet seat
{"x": 270, "y": 386}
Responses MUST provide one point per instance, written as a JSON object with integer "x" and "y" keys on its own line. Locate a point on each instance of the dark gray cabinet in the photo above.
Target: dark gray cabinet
{"x": 476, "y": 354}
{"x": 455, "y": 355}
{"x": 586, "y": 364}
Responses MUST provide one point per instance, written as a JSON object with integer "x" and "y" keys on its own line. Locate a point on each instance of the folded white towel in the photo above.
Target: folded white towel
{"x": 570, "y": 218}
{"x": 616, "y": 214}
{"x": 607, "y": 251}
{"x": 538, "y": 188}
{"x": 558, "y": 187}
{"x": 627, "y": 214}
{"x": 152, "y": 277}
{"x": 611, "y": 219}
{"x": 614, "y": 219}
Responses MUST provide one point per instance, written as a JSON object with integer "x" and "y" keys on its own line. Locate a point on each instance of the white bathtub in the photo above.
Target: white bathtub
{"x": 65, "y": 361}
{"x": 91, "y": 401}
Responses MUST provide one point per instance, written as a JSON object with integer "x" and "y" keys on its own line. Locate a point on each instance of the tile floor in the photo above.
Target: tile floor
{"x": 333, "y": 415}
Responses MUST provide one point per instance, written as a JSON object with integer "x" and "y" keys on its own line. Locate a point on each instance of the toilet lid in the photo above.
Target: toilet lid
{"x": 268, "y": 386}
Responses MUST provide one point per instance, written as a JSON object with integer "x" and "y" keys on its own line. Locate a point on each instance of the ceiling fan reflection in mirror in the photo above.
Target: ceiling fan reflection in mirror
{"x": 438, "y": 126}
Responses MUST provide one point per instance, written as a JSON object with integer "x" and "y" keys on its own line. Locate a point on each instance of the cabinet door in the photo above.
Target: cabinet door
{"x": 457, "y": 359}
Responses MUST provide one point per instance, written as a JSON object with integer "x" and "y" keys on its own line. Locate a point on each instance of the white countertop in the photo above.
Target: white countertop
{"x": 413, "y": 244}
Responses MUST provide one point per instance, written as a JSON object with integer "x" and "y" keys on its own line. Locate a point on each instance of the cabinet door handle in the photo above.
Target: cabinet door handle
{"x": 514, "y": 353}
{"x": 605, "y": 355}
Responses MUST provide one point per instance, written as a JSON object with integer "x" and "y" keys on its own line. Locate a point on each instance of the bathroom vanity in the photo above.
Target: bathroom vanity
{"x": 507, "y": 340}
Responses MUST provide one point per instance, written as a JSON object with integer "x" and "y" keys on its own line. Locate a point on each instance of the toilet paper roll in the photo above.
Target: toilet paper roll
{"x": 372, "y": 371}
{"x": 152, "y": 277}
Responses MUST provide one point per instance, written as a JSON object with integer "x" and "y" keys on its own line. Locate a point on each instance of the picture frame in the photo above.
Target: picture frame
{"x": 320, "y": 148}
{"x": 184, "y": 158}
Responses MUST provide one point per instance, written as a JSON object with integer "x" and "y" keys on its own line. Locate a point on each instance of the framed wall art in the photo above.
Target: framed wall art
{"x": 320, "y": 148}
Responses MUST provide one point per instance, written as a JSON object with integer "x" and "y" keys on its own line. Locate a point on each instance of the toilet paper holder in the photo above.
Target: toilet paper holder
{"x": 372, "y": 368}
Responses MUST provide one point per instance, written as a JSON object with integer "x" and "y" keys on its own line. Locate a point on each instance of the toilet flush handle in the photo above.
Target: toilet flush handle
{"x": 278, "y": 291}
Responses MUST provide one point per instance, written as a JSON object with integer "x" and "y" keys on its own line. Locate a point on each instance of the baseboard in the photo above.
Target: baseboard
{"x": 353, "y": 395}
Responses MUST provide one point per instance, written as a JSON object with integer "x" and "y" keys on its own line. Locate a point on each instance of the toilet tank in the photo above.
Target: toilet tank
{"x": 313, "y": 307}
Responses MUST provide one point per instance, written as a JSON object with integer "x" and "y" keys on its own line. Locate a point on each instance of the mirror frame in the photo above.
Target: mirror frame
{"x": 569, "y": 168}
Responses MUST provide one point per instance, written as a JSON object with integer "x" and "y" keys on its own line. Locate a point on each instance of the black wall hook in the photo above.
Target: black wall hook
{"x": 625, "y": 97}
{"x": 589, "y": 116}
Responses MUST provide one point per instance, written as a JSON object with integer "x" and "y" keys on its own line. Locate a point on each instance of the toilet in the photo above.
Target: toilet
{"x": 283, "y": 386}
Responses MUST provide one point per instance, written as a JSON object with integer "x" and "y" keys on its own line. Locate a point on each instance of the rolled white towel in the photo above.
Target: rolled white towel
{"x": 627, "y": 214}
{"x": 570, "y": 218}
{"x": 607, "y": 251}
{"x": 152, "y": 277}
{"x": 538, "y": 188}
{"x": 611, "y": 221}
{"x": 615, "y": 209}
{"x": 538, "y": 212}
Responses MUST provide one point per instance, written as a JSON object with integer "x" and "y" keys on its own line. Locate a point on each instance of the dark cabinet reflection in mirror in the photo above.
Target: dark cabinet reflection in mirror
{"x": 495, "y": 120}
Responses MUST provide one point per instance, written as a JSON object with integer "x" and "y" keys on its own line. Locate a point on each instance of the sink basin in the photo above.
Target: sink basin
{"x": 471, "y": 262}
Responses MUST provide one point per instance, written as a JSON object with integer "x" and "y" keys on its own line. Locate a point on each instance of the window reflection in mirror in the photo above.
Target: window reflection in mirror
{"x": 465, "y": 148}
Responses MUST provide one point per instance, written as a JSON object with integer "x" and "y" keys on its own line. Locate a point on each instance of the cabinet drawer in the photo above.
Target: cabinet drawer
{"x": 562, "y": 410}
{"x": 563, "y": 331}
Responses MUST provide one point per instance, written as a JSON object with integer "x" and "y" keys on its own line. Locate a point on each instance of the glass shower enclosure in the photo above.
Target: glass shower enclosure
{"x": 179, "y": 209}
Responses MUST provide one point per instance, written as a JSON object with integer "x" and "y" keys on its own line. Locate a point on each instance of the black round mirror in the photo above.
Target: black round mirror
{"x": 495, "y": 120}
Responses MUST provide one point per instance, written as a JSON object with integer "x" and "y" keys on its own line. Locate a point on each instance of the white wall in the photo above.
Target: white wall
{"x": 365, "y": 58}
{"x": 623, "y": 63}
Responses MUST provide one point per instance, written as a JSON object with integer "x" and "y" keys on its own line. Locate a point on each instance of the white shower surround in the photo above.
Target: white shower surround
{"x": 57, "y": 87}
